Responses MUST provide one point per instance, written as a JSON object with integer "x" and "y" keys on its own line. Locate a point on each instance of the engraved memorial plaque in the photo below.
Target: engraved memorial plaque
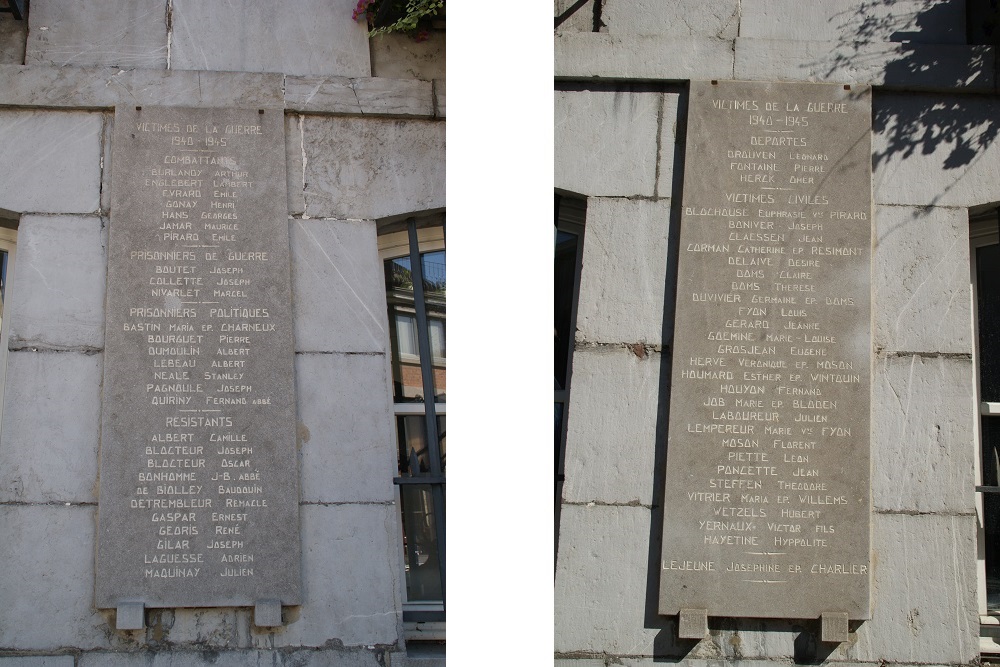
{"x": 767, "y": 501}
{"x": 199, "y": 479}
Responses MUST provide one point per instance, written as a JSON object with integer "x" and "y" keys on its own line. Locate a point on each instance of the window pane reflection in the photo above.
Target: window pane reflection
{"x": 565, "y": 277}
{"x": 433, "y": 266}
{"x": 423, "y": 572}
{"x": 414, "y": 457}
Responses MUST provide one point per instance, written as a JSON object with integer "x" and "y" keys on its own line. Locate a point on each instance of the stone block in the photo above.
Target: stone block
{"x": 924, "y": 602}
{"x": 52, "y": 161}
{"x": 107, "y": 126}
{"x": 346, "y": 429}
{"x": 104, "y": 88}
{"x": 295, "y": 184}
{"x": 921, "y": 280}
{"x": 51, "y": 427}
{"x": 207, "y": 656}
{"x": 215, "y": 627}
{"x": 851, "y": 21}
{"x": 351, "y": 578}
{"x": 48, "y": 575}
{"x": 57, "y": 293}
{"x": 339, "y": 301}
{"x": 439, "y": 98}
{"x": 37, "y": 661}
{"x": 315, "y": 38}
{"x": 360, "y": 168}
{"x": 615, "y": 398}
{"x": 364, "y": 96}
{"x": 605, "y": 142}
{"x": 888, "y": 64}
{"x": 624, "y": 271}
{"x": 13, "y": 36}
{"x": 602, "y": 586}
{"x": 574, "y": 16}
{"x": 923, "y": 429}
{"x": 683, "y": 18}
{"x": 397, "y": 56}
{"x": 936, "y": 150}
{"x": 605, "y": 56}
{"x": 122, "y": 33}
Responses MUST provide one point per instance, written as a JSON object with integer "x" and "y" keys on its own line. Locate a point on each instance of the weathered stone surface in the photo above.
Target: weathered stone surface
{"x": 580, "y": 19}
{"x": 685, "y": 18}
{"x": 936, "y": 150}
{"x": 339, "y": 301}
{"x": 362, "y": 96}
{"x": 294, "y": 164}
{"x": 48, "y": 573}
{"x": 107, "y": 125}
{"x": 615, "y": 400}
{"x": 439, "y": 98}
{"x": 924, "y": 606}
{"x": 670, "y": 117}
{"x": 615, "y": 613}
{"x": 606, "y": 142}
{"x": 316, "y": 39}
{"x": 52, "y": 161}
{"x": 921, "y": 280}
{"x": 359, "y": 168}
{"x": 910, "y": 66}
{"x": 51, "y": 426}
{"x": 607, "y": 547}
{"x": 59, "y": 299}
{"x": 352, "y": 574}
{"x": 205, "y": 657}
{"x": 93, "y": 87}
{"x": 920, "y": 21}
{"x": 923, "y": 425}
{"x": 601, "y": 55}
{"x": 217, "y": 627}
{"x": 37, "y": 661}
{"x": 346, "y": 435}
{"x": 13, "y": 35}
{"x": 398, "y": 56}
{"x": 624, "y": 270}
{"x": 123, "y": 33}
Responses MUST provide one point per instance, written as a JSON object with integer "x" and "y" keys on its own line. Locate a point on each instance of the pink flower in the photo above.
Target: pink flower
{"x": 422, "y": 36}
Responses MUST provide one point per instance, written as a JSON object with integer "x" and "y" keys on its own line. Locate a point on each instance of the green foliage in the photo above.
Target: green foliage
{"x": 411, "y": 17}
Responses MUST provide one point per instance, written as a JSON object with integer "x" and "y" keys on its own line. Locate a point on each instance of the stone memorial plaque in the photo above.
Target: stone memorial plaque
{"x": 199, "y": 491}
{"x": 767, "y": 486}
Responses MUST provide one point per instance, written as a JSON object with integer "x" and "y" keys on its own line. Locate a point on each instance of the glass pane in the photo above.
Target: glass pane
{"x": 433, "y": 266}
{"x": 414, "y": 457}
{"x": 407, "y": 385}
{"x": 559, "y": 430}
{"x": 988, "y": 295}
{"x": 420, "y": 545}
{"x": 3, "y": 280}
{"x": 565, "y": 279}
{"x": 991, "y": 509}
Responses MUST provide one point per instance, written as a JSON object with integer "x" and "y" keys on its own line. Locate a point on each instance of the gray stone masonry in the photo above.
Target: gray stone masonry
{"x": 52, "y": 161}
{"x": 682, "y": 18}
{"x": 346, "y": 444}
{"x": 105, "y": 88}
{"x": 614, "y": 400}
{"x": 123, "y": 33}
{"x": 339, "y": 300}
{"x": 236, "y": 658}
{"x": 919, "y": 21}
{"x": 401, "y": 57}
{"x": 313, "y": 37}
{"x": 37, "y": 661}
{"x": 622, "y": 283}
{"x": 13, "y": 34}
{"x": 60, "y": 301}
{"x": 365, "y": 169}
{"x": 922, "y": 458}
{"x": 586, "y": 55}
{"x": 606, "y": 142}
{"x": 920, "y": 280}
{"x": 580, "y": 20}
{"x": 51, "y": 426}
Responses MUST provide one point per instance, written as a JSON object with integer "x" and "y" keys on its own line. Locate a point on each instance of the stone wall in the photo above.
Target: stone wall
{"x": 359, "y": 148}
{"x": 621, "y": 73}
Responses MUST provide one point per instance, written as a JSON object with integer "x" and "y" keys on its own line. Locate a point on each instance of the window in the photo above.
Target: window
{"x": 569, "y": 218}
{"x": 415, "y": 280}
{"x": 985, "y": 261}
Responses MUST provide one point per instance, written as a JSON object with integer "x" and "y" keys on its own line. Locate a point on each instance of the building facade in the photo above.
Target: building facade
{"x": 622, "y": 111}
{"x": 364, "y": 133}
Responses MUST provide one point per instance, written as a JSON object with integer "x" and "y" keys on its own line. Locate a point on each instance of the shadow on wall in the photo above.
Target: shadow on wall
{"x": 927, "y": 125}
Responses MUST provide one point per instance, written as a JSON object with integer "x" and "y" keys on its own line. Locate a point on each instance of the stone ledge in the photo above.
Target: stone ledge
{"x": 604, "y": 56}
{"x": 107, "y": 87}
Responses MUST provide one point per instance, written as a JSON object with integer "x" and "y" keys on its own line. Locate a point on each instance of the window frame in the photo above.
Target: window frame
{"x": 8, "y": 243}
{"x": 422, "y": 620}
